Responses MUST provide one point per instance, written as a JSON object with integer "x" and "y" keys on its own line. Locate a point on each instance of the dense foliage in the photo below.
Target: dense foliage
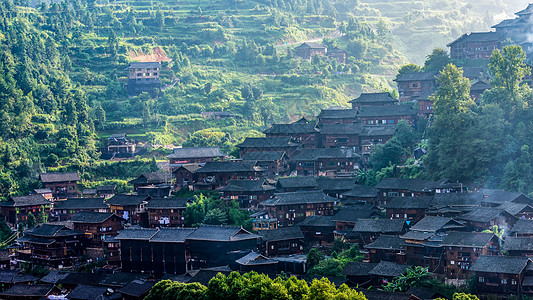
{"x": 253, "y": 286}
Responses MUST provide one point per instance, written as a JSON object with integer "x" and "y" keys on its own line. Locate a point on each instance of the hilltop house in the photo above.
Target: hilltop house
{"x": 199, "y": 156}
{"x": 248, "y": 193}
{"x": 168, "y": 212}
{"x": 476, "y": 45}
{"x": 309, "y": 50}
{"x": 326, "y": 162}
{"x": 63, "y": 210}
{"x": 415, "y": 84}
{"x": 214, "y": 175}
{"x": 16, "y": 209}
{"x": 302, "y": 131}
{"x": 143, "y": 77}
{"x": 373, "y": 99}
{"x": 63, "y": 185}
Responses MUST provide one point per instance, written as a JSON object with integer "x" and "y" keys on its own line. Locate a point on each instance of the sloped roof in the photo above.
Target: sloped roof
{"x": 378, "y": 130}
{"x": 518, "y": 243}
{"x": 467, "y": 239}
{"x": 379, "y": 225}
{"x": 479, "y": 37}
{"x": 81, "y": 203}
{"x": 167, "y": 203}
{"x": 266, "y": 142}
{"x": 281, "y": 234}
{"x": 387, "y": 242}
{"x": 337, "y": 114}
{"x": 362, "y": 191}
{"x": 472, "y": 72}
{"x": 500, "y": 196}
{"x": 152, "y": 178}
{"x": 88, "y": 292}
{"x": 515, "y": 208}
{"x": 90, "y": 217}
{"x": 54, "y": 276}
{"x": 344, "y": 129}
{"x": 227, "y": 167}
{"x": 297, "y": 182}
{"x": 144, "y": 65}
{"x": 353, "y": 214}
{"x": 433, "y": 224}
{"x": 247, "y": 186}
{"x": 127, "y": 200}
{"x": 310, "y": 45}
{"x": 221, "y": 233}
{"x": 384, "y": 97}
{"x": 457, "y": 199}
{"x": 335, "y": 184}
{"x": 136, "y": 234}
{"x": 389, "y": 269}
{"x": 293, "y": 128}
{"x": 189, "y": 167}
{"x": 528, "y": 10}
{"x": 523, "y": 227}
{"x": 480, "y": 85}
{"x": 35, "y": 290}
{"x": 358, "y": 268}
{"x": 29, "y": 200}
{"x": 264, "y": 155}
{"x": 172, "y": 235}
{"x": 422, "y": 202}
{"x": 324, "y": 153}
{"x": 417, "y": 235}
{"x": 482, "y": 214}
{"x": 50, "y": 230}
{"x": 301, "y": 197}
{"x": 15, "y": 276}
{"x": 317, "y": 221}
{"x": 254, "y": 258}
{"x": 500, "y": 264}
{"x": 383, "y": 111}
{"x": 411, "y": 184}
{"x": 137, "y": 288}
{"x": 196, "y": 152}
{"x": 417, "y": 76}
{"x": 59, "y": 177}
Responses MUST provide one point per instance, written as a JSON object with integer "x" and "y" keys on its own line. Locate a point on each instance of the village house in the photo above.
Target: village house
{"x": 259, "y": 263}
{"x": 199, "y": 156}
{"x": 326, "y": 162}
{"x": 478, "y": 87}
{"x": 129, "y": 207}
{"x": 143, "y": 77}
{"x": 63, "y": 210}
{"x": 454, "y": 204}
{"x": 518, "y": 210}
{"x": 49, "y": 245}
{"x": 372, "y": 135}
{"x": 412, "y": 209}
{"x": 415, "y": 84}
{"x": 335, "y": 186}
{"x": 262, "y": 220}
{"x": 214, "y": 175}
{"x": 522, "y": 228}
{"x": 161, "y": 190}
{"x": 373, "y": 99}
{"x": 495, "y": 198}
{"x": 106, "y": 191}
{"x": 302, "y": 131}
{"x": 364, "y": 275}
{"x": 15, "y": 210}
{"x": 318, "y": 231}
{"x": 9, "y": 278}
{"x": 389, "y": 188}
{"x": 500, "y": 275}
{"x": 280, "y": 241}
{"x": 462, "y": 249}
{"x": 294, "y": 184}
{"x": 167, "y": 212}
{"x": 287, "y": 144}
{"x": 248, "y": 193}
{"x": 386, "y": 248}
{"x": 185, "y": 175}
{"x": 119, "y": 145}
{"x": 366, "y": 231}
{"x": 339, "y": 54}
{"x": 63, "y": 185}
{"x": 337, "y": 115}
{"x": 518, "y": 246}
{"x": 346, "y": 217}
{"x": 30, "y": 292}
{"x": 341, "y": 136}
{"x": 149, "y": 179}
{"x": 360, "y": 195}
{"x": 294, "y": 207}
{"x": 46, "y": 193}
{"x": 308, "y": 50}
{"x": 217, "y": 115}
{"x": 476, "y": 45}
{"x": 485, "y": 218}
{"x": 97, "y": 227}
{"x": 275, "y": 163}
{"x": 387, "y": 115}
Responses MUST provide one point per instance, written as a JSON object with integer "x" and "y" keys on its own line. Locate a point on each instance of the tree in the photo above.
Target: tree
{"x": 31, "y": 222}
{"x": 437, "y": 60}
{"x": 314, "y": 257}
{"x": 216, "y": 217}
{"x": 389, "y": 154}
{"x": 406, "y": 69}
{"x": 195, "y": 211}
{"x": 519, "y": 173}
{"x": 43, "y": 215}
{"x": 414, "y": 277}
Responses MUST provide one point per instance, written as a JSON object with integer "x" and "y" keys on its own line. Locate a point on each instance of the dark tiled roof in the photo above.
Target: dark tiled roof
{"x": 144, "y": 65}
{"x": 90, "y": 217}
{"x": 167, "y": 203}
{"x": 467, "y": 239}
{"x": 325, "y": 153}
{"x": 409, "y": 202}
{"x": 387, "y": 242}
{"x": 87, "y": 292}
{"x": 200, "y": 152}
{"x": 480, "y": 85}
{"x": 281, "y": 234}
{"x": 13, "y": 276}
{"x": 137, "y": 288}
{"x": 482, "y": 214}
{"x": 384, "y": 97}
{"x": 310, "y": 45}
{"x": 254, "y": 258}
{"x": 518, "y": 243}
{"x": 59, "y": 177}
{"x": 383, "y": 111}
{"x": 344, "y": 129}
{"x": 317, "y": 221}
{"x": 528, "y": 10}
{"x": 77, "y": 278}
{"x": 49, "y": 230}
{"x": 337, "y": 114}
{"x": 29, "y": 200}
{"x": 189, "y": 167}
{"x": 221, "y": 233}
{"x": 36, "y": 290}
{"x": 127, "y": 200}
{"x": 353, "y": 214}
{"x": 153, "y": 178}
{"x": 515, "y": 208}
{"x": 433, "y": 224}
{"x": 362, "y": 192}
{"x": 294, "y": 128}
{"x": 266, "y": 142}
{"x": 499, "y": 197}
{"x": 500, "y": 264}
{"x": 247, "y": 186}
{"x": 457, "y": 199}
{"x": 417, "y": 76}
{"x": 335, "y": 184}
{"x": 379, "y": 225}
{"x": 378, "y": 130}
{"x": 136, "y": 234}
{"x": 172, "y": 235}
{"x": 297, "y": 182}
{"x": 389, "y": 269}
{"x": 106, "y": 188}
{"x": 301, "y": 197}
{"x": 472, "y": 73}
{"x": 523, "y": 227}
{"x": 411, "y": 184}
{"x": 81, "y": 203}
{"x": 479, "y": 37}
{"x": 358, "y": 268}
{"x": 418, "y": 235}
{"x": 264, "y": 155}
{"x": 227, "y": 166}
{"x": 54, "y": 276}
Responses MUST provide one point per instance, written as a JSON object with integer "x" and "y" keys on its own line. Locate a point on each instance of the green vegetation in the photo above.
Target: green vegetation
{"x": 212, "y": 210}
{"x": 253, "y": 286}
{"x": 418, "y": 277}
{"x": 332, "y": 266}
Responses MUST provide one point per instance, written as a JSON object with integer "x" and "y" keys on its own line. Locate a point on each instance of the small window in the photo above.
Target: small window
{"x": 452, "y": 262}
{"x": 481, "y": 279}
{"x": 504, "y": 280}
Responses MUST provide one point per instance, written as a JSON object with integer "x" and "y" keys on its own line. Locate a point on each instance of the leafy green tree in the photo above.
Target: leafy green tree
{"x": 519, "y": 173}
{"x": 195, "y": 211}
{"x": 31, "y": 222}
{"x": 391, "y": 153}
{"x": 437, "y": 60}
{"x": 216, "y": 217}
{"x": 406, "y": 69}
{"x": 314, "y": 257}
